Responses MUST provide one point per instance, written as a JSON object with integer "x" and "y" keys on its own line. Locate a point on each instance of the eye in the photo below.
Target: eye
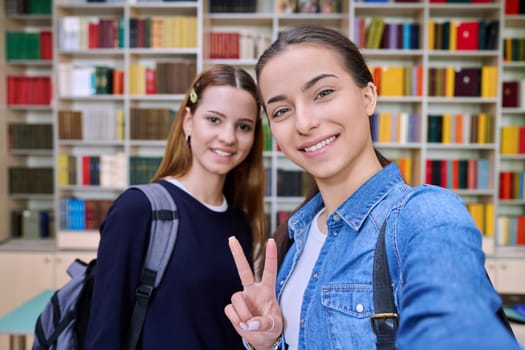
{"x": 324, "y": 93}
{"x": 245, "y": 127}
{"x": 279, "y": 112}
{"x": 213, "y": 120}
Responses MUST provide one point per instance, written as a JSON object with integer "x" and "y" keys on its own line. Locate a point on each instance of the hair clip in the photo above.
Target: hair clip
{"x": 193, "y": 95}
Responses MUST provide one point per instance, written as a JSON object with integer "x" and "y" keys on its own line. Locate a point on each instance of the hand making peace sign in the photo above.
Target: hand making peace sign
{"x": 255, "y": 311}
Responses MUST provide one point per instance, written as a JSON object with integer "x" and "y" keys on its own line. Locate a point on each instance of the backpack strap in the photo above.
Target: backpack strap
{"x": 164, "y": 226}
{"x": 385, "y": 319}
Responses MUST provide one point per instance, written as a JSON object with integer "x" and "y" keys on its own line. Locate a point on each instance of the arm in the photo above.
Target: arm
{"x": 445, "y": 298}
{"x": 119, "y": 260}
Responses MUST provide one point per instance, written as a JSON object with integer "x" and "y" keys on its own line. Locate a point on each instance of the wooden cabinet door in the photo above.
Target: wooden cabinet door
{"x": 64, "y": 259}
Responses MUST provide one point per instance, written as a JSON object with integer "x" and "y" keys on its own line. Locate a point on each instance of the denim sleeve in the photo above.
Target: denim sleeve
{"x": 445, "y": 298}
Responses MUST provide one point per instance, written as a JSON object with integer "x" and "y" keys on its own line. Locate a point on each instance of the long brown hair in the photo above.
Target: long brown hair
{"x": 355, "y": 65}
{"x": 244, "y": 185}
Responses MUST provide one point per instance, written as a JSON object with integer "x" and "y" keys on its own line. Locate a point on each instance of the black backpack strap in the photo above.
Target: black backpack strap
{"x": 164, "y": 226}
{"x": 385, "y": 319}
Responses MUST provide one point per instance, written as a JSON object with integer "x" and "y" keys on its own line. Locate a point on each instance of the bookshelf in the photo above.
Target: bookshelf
{"x": 97, "y": 122}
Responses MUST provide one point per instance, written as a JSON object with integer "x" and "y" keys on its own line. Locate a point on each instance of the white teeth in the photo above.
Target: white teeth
{"x": 320, "y": 144}
{"x": 221, "y": 153}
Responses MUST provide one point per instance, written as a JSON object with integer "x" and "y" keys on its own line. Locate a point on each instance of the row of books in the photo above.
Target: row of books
{"x": 511, "y": 231}
{"x": 235, "y": 45}
{"x": 29, "y": 90}
{"x": 308, "y": 6}
{"x": 35, "y": 136}
{"x": 93, "y": 124}
{"x": 460, "y": 128}
{"x": 512, "y": 139}
{"x": 32, "y": 223}
{"x": 80, "y": 33}
{"x": 150, "y": 123}
{"x": 163, "y": 32}
{"x": 462, "y": 35}
{"x": 104, "y": 170}
{"x": 167, "y": 77}
{"x": 398, "y": 80}
{"x": 28, "y": 7}
{"x": 454, "y": 174}
{"x": 292, "y": 183}
{"x": 89, "y": 80}
{"x": 453, "y": 81}
{"x": 142, "y": 169}
{"x": 514, "y": 49}
{"x": 511, "y": 185}
{"x": 401, "y": 128}
{"x": 82, "y": 214}
{"x": 30, "y": 180}
{"x": 376, "y": 33}
{"x": 217, "y": 6}
{"x": 29, "y": 45}
{"x": 483, "y": 215}
{"x": 513, "y": 94}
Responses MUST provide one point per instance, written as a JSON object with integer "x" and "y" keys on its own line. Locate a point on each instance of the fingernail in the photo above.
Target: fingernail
{"x": 243, "y": 326}
{"x": 253, "y": 325}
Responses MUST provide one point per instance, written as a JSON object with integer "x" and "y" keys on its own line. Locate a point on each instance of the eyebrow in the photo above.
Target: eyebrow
{"x": 245, "y": 120}
{"x": 305, "y": 87}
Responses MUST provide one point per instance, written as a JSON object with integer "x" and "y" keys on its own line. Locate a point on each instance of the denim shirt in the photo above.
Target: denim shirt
{"x": 442, "y": 294}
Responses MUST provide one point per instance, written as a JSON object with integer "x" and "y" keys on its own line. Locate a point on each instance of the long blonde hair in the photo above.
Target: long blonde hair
{"x": 244, "y": 185}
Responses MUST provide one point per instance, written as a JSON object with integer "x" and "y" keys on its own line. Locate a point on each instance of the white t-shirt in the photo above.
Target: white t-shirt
{"x": 217, "y": 208}
{"x": 292, "y": 295}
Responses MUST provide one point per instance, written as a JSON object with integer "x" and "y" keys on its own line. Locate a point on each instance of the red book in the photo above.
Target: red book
{"x": 472, "y": 174}
{"x": 505, "y": 185}
{"x": 467, "y": 35}
{"x": 93, "y": 41}
{"x": 455, "y": 174}
{"x": 510, "y": 94}
{"x": 467, "y": 82}
{"x": 520, "y": 237}
{"x": 428, "y": 175}
{"x": 151, "y": 81}
{"x": 521, "y": 140}
{"x": 85, "y": 170}
{"x": 512, "y": 7}
{"x": 444, "y": 173}
{"x": 46, "y": 45}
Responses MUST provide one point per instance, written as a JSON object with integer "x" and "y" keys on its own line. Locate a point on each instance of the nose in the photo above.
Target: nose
{"x": 227, "y": 134}
{"x": 305, "y": 120}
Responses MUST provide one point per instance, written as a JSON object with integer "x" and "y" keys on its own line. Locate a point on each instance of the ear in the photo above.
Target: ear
{"x": 370, "y": 98}
{"x": 187, "y": 121}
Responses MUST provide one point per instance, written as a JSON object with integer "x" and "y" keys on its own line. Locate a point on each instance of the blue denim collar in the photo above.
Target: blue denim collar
{"x": 355, "y": 209}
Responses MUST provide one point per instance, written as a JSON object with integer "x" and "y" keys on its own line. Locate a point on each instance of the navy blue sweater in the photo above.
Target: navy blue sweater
{"x": 187, "y": 309}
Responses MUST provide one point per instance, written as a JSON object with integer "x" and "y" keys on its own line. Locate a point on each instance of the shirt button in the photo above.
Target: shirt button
{"x": 282, "y": 282}
{"x": 302, "y": 321}
{"x": 315, "y": 276}
{"x": 334, "y": 233}
{"x": 336, "y": 217}
{"x": 359, "y": 308}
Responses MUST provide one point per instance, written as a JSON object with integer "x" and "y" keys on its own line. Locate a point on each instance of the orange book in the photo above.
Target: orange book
{"x": 459, "y": 128}
{"x": 520, "y": 239}
{"x": 118, "y": 82}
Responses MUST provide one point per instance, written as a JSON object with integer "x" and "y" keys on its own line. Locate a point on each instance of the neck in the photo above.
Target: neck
{"x": 209, "y": 191}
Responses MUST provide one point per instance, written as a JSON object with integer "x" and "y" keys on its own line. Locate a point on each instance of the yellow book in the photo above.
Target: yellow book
{"x": 385, "y": 127}
{"x": 137, "y": 79}
{"x": 508, "y": 49}
{"x": 476, "y": 211}
{"x": 447, "y": 129}
{"x": 119, "y": 130}
{"x": 406, "y": 169}
{"x": 482, "y": 127}
{"x": 431, "y": 34}
{"x": 449, "y": 81}
{"x": 503, "y": 230}
{"x": 392, "y": 82}
{"x": 509, "y": 139}
{"x": 453, "y": 41}
{"x": 63, "y": 169}
{"x": 487, "y": 82}
{"x": 489, "y": 220}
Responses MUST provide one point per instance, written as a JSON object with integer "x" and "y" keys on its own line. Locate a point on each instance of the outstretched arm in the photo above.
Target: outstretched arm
{"x": 255, "y": 311}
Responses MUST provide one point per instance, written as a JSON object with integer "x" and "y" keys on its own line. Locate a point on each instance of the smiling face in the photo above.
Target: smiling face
{"x": 222, "y": 130}
{"x": 317, "y": 113}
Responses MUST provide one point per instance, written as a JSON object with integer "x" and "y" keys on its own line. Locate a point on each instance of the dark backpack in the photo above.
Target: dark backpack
{"x": 63, "y": 322}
